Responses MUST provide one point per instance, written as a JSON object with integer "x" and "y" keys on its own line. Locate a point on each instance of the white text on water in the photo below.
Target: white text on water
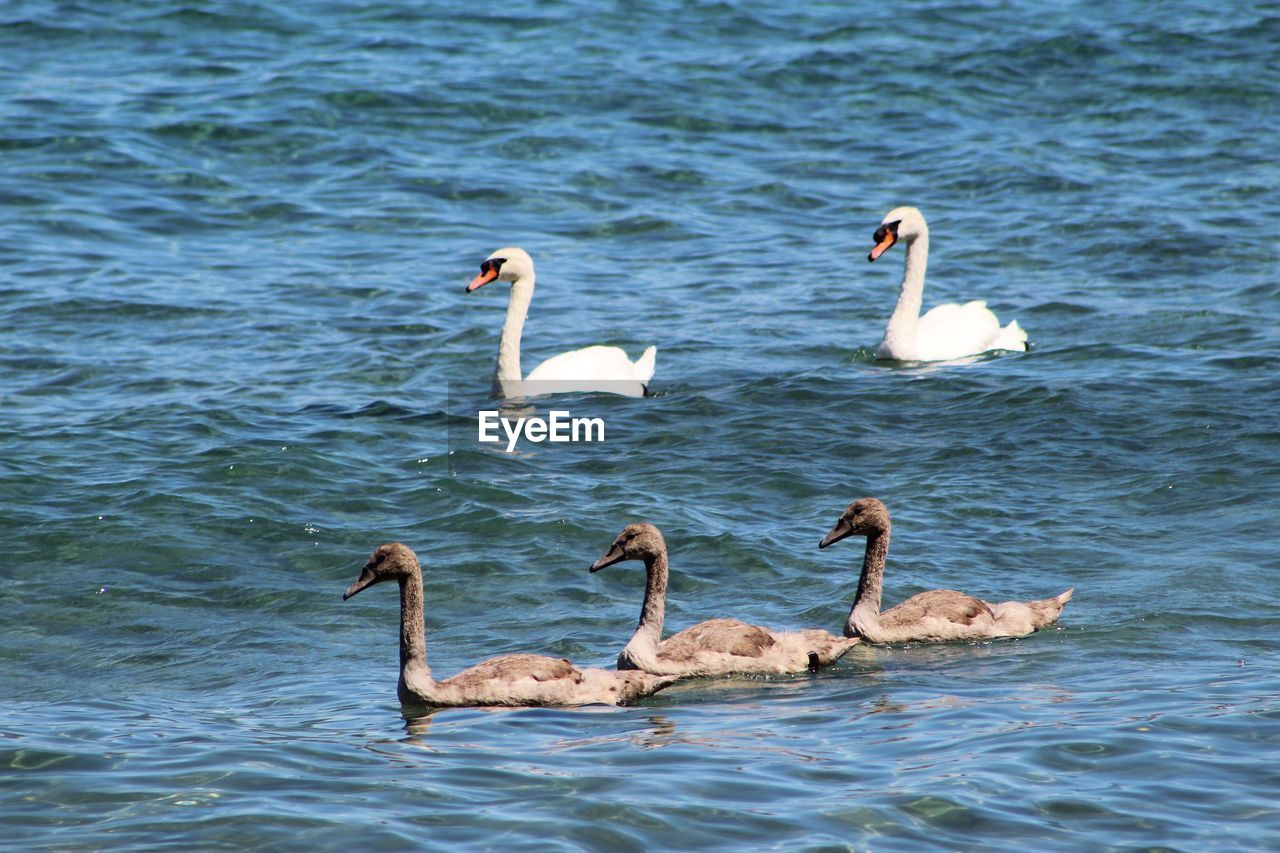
{"x": 559, "y": 426}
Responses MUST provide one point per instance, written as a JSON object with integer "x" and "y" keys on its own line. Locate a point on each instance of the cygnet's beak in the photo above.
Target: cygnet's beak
{"x": 486, "y": 276}
{"x": 614, "y": 556}
{"x": 840, "y": 531}
{"x": 367, "y": 578}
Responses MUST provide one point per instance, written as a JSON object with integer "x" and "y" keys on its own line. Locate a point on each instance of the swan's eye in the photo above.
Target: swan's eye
{"x": 379, "y": 559}
{"x": 492, "y": 264}
{"x": 885, "y": 230}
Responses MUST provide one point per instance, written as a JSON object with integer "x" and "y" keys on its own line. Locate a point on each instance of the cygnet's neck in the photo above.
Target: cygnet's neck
{"x": 508, "y": 371}
{"x": 864, "y": 615}
{"x": 415, "y": 676}
{"x": 653, "y": 611}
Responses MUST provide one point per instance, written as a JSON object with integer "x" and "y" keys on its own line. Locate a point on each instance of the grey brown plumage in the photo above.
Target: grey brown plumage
{"x": 511, "y": 680}
{"x": 713, "y": 647}
{"x": 727, "y": 636}
{"x": 938, "y": 615}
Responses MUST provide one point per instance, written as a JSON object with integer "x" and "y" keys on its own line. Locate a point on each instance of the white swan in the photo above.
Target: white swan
{"x": 596, "y": 368}
{"x": 946, "y": 331}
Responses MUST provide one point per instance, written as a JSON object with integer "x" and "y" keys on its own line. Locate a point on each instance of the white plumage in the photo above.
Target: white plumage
{"x": 946, "y": 331}
{"x": 594, "y": 368}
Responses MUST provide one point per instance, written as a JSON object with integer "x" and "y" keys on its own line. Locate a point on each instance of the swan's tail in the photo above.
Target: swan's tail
{"x": 1012, "y": 337}
{"x": 1047, "y": 610}
{"x": 645, "y": 365}
{"x": 637, "y": 685}
{"x": 825, "y": 654}
{"x": 822, "y": 648}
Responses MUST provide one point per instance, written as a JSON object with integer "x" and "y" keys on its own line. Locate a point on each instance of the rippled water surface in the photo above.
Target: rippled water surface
{"x": 236, "y": 355}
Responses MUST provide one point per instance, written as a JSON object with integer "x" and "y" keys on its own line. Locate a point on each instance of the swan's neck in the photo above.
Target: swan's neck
{"x": 900, "y": 334}
{"x": 508, "y": 372}
{"x": 415, "y": 676}
{"x": 864, "y": 616}
{"x": 652, "y": 613}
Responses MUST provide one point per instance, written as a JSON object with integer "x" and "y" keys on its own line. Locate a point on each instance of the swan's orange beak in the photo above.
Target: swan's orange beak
{"x": 842, "y": 528}
{"x": 614, "y": 556}
{"x": 886, "y": 241}
{"x": 484, "y": 278}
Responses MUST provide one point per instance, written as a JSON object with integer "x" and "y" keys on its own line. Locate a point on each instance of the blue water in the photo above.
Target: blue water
{"x": 236, "y": 355}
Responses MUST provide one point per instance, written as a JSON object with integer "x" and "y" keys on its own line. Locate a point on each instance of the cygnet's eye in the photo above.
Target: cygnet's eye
{"x": 379, "y": 559}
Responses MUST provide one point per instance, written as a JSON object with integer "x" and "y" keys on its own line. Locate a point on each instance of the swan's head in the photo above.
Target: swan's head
{"x": 391, "y": 561}
{"x": 509, "y": 265}
{"x": 635, "y": 542}
{"x": 863, "y": 517}
{"x": 901, "y": 223}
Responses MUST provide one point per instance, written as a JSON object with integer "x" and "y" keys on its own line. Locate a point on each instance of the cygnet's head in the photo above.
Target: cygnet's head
{"x": 635, "y": 542}
{"x": 901, "y": 223}
{"x": 391, "y": 561}
{"x": 509, "y": 265}
{"x": 863, "y": 517}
